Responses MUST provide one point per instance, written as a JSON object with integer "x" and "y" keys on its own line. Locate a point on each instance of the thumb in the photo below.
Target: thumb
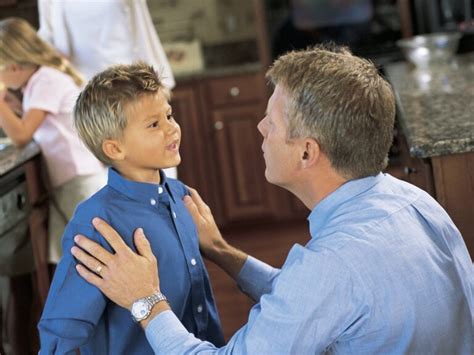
{"x": 192, "y": 208}
{"x": 142, "y": 244}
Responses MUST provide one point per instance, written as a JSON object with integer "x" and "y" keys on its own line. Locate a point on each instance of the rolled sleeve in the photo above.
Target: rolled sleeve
{"x": 74, "y": 307}
{"x": 256, "y": 277}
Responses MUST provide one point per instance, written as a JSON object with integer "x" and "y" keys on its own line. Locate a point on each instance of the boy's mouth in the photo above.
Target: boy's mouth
{"x": 174, "y": 146}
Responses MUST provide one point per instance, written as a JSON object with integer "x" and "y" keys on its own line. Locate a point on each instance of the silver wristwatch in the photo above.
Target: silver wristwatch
{"x": 142, "y": 307}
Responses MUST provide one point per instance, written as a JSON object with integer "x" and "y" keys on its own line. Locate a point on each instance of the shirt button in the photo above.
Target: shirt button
{"x": 199, "y": 308}
{"x": 193, "y": 262}
{"x": 160, "y": 190}
{"x": 174, "y": 214}
{"x": 152, "y": 201}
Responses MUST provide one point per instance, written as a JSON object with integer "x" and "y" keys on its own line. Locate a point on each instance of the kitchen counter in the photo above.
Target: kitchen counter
{"x": 436, "y": 107}
{"x": 12, "y": 157}
{"x": 219, "y": 71}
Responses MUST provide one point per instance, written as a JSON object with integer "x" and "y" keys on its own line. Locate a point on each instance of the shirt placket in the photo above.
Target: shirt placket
{"x": 193, "y": 260}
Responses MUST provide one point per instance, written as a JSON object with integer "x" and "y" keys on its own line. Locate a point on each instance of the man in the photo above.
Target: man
{"x": 386, "y": 271}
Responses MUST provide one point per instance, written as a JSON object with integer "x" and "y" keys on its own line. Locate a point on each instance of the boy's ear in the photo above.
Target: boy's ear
{"x": 113, "y": 149}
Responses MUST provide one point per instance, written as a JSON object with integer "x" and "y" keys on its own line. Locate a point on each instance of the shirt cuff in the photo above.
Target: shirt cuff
{"x": 256, "y": 277}
{"x": 162, "y": 329}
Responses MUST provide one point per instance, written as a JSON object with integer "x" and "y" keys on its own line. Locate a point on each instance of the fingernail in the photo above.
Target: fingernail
{"x": 95, "y": 221}
{"x": 73, "y": 250}
{"x": 186, "y": 199}
{"x": 140, "y": 232}
{"x": 77, "y": 238}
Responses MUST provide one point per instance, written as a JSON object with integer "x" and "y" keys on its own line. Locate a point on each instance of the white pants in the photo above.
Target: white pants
{"x": 63, "y": 202}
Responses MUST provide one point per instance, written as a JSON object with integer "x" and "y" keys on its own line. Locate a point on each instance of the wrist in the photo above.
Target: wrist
{"x": 142, "y": 308}
{"x": 159, "y": 308}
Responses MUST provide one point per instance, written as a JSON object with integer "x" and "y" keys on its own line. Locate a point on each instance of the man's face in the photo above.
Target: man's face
{"x": 281, "y": 156}
{"x": 151, "y": 139}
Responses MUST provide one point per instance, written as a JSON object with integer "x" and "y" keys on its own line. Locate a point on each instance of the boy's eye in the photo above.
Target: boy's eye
{"x": 170, "y": 116}
{"x": 153, "y": 124}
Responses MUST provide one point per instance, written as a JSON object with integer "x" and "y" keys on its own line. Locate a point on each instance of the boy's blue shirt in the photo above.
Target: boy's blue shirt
{"x": 78, "y": 315}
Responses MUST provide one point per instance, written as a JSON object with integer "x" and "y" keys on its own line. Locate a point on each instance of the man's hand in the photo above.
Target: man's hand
{"x": 210, "y": 239}
{"x": 211, "y": 243}
{"x": 124, "y": 276}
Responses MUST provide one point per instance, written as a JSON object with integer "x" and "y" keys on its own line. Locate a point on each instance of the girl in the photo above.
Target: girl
{"x": 50, "y": 86}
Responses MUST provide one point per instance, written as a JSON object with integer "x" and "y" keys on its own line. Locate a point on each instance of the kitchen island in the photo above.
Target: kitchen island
{"x": 24, "y": 206}
{"x": 435, "y": 114}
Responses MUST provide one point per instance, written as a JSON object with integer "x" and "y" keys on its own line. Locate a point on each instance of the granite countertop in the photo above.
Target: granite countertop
{"x": 436, "y": 107}
{"x": 12, "y": 157}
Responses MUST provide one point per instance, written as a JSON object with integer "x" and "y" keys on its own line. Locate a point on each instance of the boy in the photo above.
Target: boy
{"x": 124, "y": 118}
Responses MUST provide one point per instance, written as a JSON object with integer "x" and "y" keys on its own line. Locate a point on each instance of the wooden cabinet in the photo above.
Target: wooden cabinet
{"x": 448, "y": 178}
{"x": 221, "y": 148}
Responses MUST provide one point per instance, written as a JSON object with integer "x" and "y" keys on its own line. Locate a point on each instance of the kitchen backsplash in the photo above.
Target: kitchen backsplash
{"x": 211, "y": 22}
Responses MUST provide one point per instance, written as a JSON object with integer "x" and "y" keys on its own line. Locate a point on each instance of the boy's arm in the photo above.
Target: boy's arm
{"x": 73, "y": 307}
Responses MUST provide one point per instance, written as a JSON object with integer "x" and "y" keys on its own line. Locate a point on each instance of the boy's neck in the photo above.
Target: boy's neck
{"x": 150, "y": 177}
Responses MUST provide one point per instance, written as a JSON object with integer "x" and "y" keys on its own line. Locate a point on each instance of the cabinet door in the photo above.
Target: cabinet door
{"x": 240, "y": 164}
{"x": 186, "y": 111}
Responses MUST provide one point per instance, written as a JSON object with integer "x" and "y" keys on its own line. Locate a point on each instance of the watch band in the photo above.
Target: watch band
{"x": 149, "y": 301}
{"x": 155, "y": 298}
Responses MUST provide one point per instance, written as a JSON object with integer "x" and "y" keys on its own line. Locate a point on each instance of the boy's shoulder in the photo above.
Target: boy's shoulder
{"x": 178, "y": 188}
{"x": 94, "y": 206}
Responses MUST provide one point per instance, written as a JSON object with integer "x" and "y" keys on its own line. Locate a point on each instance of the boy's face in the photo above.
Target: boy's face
{"x": 150, "y": 140}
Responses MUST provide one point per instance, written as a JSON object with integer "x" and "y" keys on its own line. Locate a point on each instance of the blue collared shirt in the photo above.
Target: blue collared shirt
{"x": 78, "y": 315}
{"x": 385, "y": 272}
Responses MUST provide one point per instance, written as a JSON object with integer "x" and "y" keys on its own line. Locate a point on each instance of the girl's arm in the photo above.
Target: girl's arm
{"x": 19, "y": 130}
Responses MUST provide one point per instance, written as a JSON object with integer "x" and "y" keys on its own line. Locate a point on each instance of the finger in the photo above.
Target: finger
{"x": 89, "y": 261}
{"x": 94, "y": 249}
{"x": 142, "y": 244}
{"x": 90, "y": 277}
{"x": 110, "y": 235}
{"x": 193, "y": 210}
{"x": 198, "y": 201}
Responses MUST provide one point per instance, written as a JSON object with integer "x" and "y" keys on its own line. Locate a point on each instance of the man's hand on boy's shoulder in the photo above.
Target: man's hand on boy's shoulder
{"x": 123, "y": 276}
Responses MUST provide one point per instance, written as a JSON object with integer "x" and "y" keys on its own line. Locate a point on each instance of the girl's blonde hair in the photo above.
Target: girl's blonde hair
{"x": 20, "y": 44}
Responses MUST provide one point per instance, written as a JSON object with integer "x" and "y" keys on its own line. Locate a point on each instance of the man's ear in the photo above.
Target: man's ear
{"x": 311, "y": 153}
{"x": 113, "y": 149}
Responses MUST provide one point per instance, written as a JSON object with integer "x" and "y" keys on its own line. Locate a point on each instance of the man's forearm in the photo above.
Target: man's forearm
{"x": 228, "y": 258}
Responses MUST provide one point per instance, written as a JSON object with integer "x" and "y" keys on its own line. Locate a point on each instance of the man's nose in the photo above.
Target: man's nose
{"x": 261, "y": 127}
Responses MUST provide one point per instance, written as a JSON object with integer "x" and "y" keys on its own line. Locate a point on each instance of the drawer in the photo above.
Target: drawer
{"x": 236, "y": 89}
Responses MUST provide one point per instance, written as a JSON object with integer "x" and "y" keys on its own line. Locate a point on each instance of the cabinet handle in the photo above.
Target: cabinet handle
{"x": 234, "y": 91}
{"x": 407, "y": 170}
{"x": 218, "y": 125}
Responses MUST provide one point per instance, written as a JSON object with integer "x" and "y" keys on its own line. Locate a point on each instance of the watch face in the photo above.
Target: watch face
{"x": 140, "y": 309}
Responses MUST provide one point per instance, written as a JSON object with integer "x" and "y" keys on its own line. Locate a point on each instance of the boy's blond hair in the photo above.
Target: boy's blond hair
{"x": 100, "y": 110}
{"x": 20, "y": 44}
{"x": 342, "y": 102}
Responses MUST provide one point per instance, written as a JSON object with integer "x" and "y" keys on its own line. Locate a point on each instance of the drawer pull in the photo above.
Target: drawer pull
{"x": 218, "y": 125}
{"x": 234, "y": 91}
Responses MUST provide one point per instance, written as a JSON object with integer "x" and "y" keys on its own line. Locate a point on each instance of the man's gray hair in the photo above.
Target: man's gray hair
{"x": 342, "y": 102}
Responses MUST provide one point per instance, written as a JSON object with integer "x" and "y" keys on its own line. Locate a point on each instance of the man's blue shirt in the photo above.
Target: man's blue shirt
{"x": 78, "y": 315}
{"x": 385, "y": 272}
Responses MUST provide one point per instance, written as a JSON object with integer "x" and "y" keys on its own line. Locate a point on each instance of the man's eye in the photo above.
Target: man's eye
{"x": 153, "y": 125}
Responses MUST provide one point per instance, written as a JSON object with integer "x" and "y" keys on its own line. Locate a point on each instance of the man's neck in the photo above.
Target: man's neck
{"x": 316, "y": 187}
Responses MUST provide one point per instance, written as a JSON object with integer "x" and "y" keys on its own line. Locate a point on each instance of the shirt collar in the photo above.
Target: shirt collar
{"x": 141, "y": 191}
{"x": 322, "y": 212}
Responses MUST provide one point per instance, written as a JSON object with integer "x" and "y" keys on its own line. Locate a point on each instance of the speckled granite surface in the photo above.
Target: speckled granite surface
{"x": 436, "y": 107}
{"x": 11, "y": 156}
